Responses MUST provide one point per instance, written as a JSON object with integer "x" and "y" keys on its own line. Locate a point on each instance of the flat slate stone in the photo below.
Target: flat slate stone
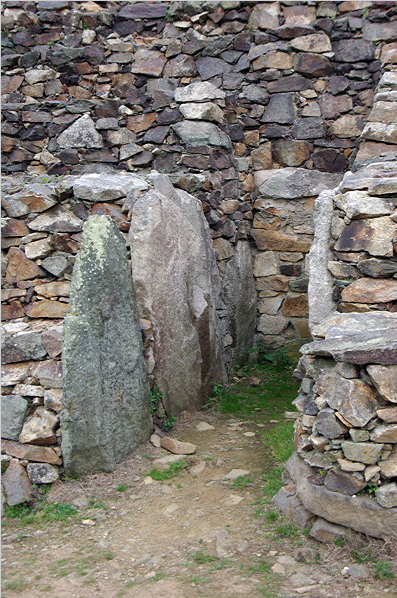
{"x": 292, "y": 183}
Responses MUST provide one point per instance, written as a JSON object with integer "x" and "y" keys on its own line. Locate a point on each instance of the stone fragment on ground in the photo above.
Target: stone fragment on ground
{"x": 177, "y": 447}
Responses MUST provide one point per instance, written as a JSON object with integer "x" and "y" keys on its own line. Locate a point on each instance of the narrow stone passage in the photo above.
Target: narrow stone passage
{"x": 210, "y": 531}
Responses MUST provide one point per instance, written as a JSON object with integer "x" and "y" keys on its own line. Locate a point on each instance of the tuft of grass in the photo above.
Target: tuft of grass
{"x": 271, "y": 515}
{"x": 383, "y": 570}
{"x": 173, "y": 470}
{"x": 15, "y": 585}
{"x": 273, "y": 481}
{"x": 242, "y": 481}
{"x": 287, "y": 530}
{"x": 201, "y": 558}
{"x": 272, "y": 396}
{"x": 280, "y": 440}
{"x": 122, "y": 488}
{"x": 40, "y": 512}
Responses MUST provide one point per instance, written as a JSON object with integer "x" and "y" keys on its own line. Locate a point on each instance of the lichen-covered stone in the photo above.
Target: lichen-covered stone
{"x": 106, "y": 406}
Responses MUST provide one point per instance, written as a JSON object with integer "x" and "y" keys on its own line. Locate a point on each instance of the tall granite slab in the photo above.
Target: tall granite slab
{"x": 321, "y": 303}
{"x": 240, "y": 298}
{"x": 177, "y": 286}
{"x": 106, "y": 409}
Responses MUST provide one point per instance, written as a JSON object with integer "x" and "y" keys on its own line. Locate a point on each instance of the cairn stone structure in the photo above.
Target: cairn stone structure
{"x": 252, "y": 110}
{"x": 344, "y": 470}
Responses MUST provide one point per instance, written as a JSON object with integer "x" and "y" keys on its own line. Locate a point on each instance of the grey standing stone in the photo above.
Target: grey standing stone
{"x": 239, "y": 295}
{"x": 13, "y": 411}
{"x": 321, "y": 303}
{"x": 106, "y": 405}
{"x": 177, "y": 286}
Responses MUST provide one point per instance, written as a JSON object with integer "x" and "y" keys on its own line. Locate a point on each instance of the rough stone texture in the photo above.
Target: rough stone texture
{"x": 193, "y": 134}
{"x": 13, "y": 411}
{"x": 81, "y": 133}
{"x": 368, "y": 290}
{"x": 39, "y": 428}
{"x": 177, "y": 290}
{"x": 106, "y": 408}
{"x": 321, "y": 302}
{"x": 101, "y": 187}
{"x": 16, "y": 484}
{"x": 239, "y": 296}
{"x": 385, "y": 380}
{"x": 42, "y": 473}
{"x": 293, "y": 183}
{"x": 361, "y": 514}
{"x": 355, "y": 400}
{"x": 363, "y": 452}
{"x": 31, "y": 452}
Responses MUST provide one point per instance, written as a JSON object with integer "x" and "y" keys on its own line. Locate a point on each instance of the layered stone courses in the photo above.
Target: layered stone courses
{"x": 210, "y": 96}
{"x": 345, "y": 434}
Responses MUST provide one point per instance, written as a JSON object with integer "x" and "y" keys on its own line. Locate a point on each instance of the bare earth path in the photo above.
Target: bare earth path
{"x": 195, "y": 535}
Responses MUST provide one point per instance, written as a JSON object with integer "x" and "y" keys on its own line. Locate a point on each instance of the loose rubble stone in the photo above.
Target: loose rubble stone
{"x": 324, "y": 531}
{"x": 199, "y": 92}
{"x": 369, "y": 290}
{"x": 39, "y": 428}
{"x": 106, "y": 187}
{"x": 20, "y": 267}
{"x": 177, "y": 447}
{"x": 293, "y": 183}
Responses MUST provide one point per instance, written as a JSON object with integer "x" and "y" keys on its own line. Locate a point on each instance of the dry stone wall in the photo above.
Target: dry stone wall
{"x": 344, "y": 469}
{"x": 220, "y": 95}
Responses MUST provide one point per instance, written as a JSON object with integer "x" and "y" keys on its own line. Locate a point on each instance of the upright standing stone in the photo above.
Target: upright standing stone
{"x": 239, "y": 295}
{"x": 177, "y": 286}
{"x": 321, "y": 303}
{"x": 106, "y": 404}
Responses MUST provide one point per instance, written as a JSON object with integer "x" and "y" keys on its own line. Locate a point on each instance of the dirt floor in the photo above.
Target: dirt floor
{"x": 195, "y": 535}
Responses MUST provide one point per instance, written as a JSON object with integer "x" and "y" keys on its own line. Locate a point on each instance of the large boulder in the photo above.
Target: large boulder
{"x": 177, "y": 285}
{"x": 106, "y": 397}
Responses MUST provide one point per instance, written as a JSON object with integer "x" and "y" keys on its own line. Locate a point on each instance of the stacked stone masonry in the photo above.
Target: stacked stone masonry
{"x": 254, "y": 108}
{"x": 221, "y": 96}
{"x": 344, "y": 469}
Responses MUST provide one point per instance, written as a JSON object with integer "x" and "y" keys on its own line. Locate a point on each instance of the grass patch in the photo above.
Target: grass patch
{"x": 200, "y": 558}
{"x": 280, "y": 439}
{"x": 16, "y": 585}
{"x": 287, "y": 530}
{"x": 273, "y": 481}
{"x": 171, "y": 472}
{"x": 270, "y": 398}
{"x": 122, "y": 488}
{"x": 242, "y": 481}
{"x": 383, "y": 570}
{"x": 40, "y": 512}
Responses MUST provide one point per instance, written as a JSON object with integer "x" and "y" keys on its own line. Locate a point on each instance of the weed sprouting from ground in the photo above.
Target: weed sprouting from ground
{"x": 173, "y": 470}
{"x": 242, "y": 481}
